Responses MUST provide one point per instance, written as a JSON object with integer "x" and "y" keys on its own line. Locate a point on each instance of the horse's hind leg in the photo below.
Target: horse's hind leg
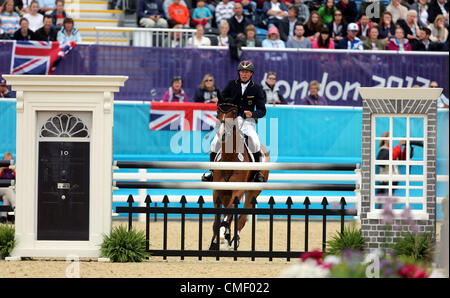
{"x": 249, "y": 195}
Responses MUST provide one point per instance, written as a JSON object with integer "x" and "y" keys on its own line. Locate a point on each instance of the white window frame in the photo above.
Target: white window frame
{"x": 407, "y": 178}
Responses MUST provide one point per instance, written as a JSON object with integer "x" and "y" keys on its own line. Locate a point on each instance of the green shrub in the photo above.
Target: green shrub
{"x": 7, "y": 240}
{"x": 350, "y": 238}
{"x": 124, "y": 246}
{"x": 419, "y": 246}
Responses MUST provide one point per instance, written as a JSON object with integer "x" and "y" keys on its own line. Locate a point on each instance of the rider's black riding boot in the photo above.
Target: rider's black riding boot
{"x": 258, "y": 177}
{"x": 208, "y": 177}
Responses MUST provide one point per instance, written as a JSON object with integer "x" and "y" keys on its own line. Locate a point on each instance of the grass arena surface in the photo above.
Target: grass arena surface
{"x": 190, "y": 267}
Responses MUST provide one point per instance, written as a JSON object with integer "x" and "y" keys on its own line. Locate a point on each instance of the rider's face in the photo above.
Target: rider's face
{"x": 245, "y": 75}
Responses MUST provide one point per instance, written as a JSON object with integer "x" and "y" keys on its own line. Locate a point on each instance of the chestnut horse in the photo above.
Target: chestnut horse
{"x": 233, "y": 149}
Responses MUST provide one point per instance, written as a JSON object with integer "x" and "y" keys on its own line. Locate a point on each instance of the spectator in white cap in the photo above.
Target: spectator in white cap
{"x": 351, "y": 42}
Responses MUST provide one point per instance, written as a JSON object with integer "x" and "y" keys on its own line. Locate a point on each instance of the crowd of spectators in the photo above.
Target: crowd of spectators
{"x": 42, "y": 20}
{"x": 402, "y": 25}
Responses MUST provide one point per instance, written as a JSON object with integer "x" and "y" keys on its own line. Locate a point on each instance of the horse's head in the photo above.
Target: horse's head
{"x": 226, "y": 114}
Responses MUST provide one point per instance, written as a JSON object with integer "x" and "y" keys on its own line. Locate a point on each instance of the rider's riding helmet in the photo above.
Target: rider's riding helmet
{"x": 246, "y": 65}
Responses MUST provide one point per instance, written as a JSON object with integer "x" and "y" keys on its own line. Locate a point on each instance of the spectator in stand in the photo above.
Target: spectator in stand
{"x": 212, "y": 4}
{"x": 439, "y": 33}
{"x": 399, "y": 42}
{"x": 250, "y": 40}
{"x": 24, "y": 33}
{"x": 273, "y": 94}
{"x": 364, "y": 25}
{"x": 249, "y": 10}
{"x": 151, "y": 14}
{"x": 35, "y": 19}
{"x": 198, "y": 39}
{"x": 224, "y": 11}
{"x": 274, "y": 11}
{"x": 286, "y": 25}
{"x": 373, "y": 8}
{"x": 425, "y": 44}
{"x": 165, "y": 6}
{"x": 313, "y": 25}
{"x": 22, "y": 6}
{"x": 202, "y": 15}
{"x": 46, "y": 6}
{"x": 47, "y": 32}
{"x": 69, "y": 32}
{"x": 175, "y": 93}
{"x": 3, "y": 35}
{"x": 175, "y": 39}
{"x": 338, "y": 27}
{"x": 224, "y": 39}
{"x": 4, "y": 91}
{"x": 10, "y": 18}
{"x": 58, "y": 14}
{"x": 411, "y": 28}
{"x": 397, "y": 10}
{"x": 326, "y": 11}
{"x": 207, "y": 92}
{"x": 436, "y": 8}
{"x": 273, "y": 40}
{"x": 179, "y": 14}
{"x": 421, "y": 7}
{"x": 442, "y": 101}
{"x": 314, "y": 98}
{"x": 351, "y": 41}
{"x": 386, "y": 27}
{"x": 324, "y": 40}
{"x": 372, "y": 42}
{"x": 298, "y": 41}
{"x": 8, "y": 194}
{"x": 238, "y": 22}
{"x": 348, "y": 9}
{"x": 303, "y": 11}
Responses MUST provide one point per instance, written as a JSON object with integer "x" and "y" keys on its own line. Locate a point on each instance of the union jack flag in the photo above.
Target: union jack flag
{"x": 38, "y": 57}
{"x": 182, "y": 116}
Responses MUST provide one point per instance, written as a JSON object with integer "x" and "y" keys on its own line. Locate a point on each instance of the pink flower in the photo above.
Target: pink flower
{"x": 316, "y": 255}
{"x": 420, "y": 274}
{"x": 407, "y": 271}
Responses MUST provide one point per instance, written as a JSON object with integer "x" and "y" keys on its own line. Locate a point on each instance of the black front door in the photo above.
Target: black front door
{"x": 63, "y": 191}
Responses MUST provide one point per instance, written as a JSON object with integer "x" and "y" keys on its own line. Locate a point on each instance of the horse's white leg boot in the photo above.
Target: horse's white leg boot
{"x": 224, "y": 234}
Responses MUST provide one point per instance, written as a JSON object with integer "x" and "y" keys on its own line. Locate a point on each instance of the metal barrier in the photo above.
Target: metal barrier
{"x": 141, "y": 37}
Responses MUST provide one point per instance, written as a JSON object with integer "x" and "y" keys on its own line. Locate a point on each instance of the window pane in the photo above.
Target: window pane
{"x": 416, "y": 170}
{"x": 416, "y": 150}
{"x": 382, "y": 126}
{"x": 399, "y": 127}
{"x": 416, "y": 127}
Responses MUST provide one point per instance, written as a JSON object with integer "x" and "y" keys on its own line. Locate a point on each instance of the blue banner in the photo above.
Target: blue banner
{"x": 340, "y": 73}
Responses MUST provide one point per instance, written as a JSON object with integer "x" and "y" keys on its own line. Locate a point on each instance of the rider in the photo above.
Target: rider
{"x": 250, "y": 99}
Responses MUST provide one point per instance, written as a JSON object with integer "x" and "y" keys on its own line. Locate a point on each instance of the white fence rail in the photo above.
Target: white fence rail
{"x": 141, "y": 37}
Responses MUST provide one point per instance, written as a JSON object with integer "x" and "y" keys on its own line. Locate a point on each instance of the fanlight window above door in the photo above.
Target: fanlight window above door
{"x": 64, "y": 126}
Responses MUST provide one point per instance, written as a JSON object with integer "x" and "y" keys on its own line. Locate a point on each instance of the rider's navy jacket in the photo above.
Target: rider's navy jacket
{"x": 253, "y": 99}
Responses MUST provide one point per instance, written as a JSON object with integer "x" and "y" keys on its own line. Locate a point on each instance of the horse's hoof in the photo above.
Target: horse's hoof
{"x": 232, "y": 242}
{"x": 214, "y": 246}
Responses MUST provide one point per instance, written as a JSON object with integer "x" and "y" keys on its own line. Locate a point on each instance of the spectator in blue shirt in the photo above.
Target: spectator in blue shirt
{"x": 151, "y": 13}
{"x": 68, "y": 32}
{"x": 351, "y": 42}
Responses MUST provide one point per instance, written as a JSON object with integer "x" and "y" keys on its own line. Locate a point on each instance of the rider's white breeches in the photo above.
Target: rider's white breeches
{"x": 248, "y": 128}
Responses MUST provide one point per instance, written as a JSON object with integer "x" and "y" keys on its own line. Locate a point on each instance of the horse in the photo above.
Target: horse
{"x": 233, "y": 149}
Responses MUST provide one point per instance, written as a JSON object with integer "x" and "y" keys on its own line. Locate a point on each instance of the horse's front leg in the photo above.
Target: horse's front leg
{"x": 235, "y": 194}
